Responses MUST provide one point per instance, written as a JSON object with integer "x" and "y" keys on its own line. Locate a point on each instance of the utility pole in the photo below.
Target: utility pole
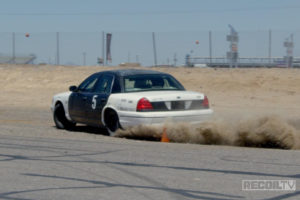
{"x": 13, "y": 48}
{"x": 84, "y": 58}
{"x": 154, "y": 49}
{"x": 103, "y": 48}
{"x": 270, "y": 45}
{"x": 175, "y": 59}
{"x": 57, "y": 48}
{"x": 210, "y": 47}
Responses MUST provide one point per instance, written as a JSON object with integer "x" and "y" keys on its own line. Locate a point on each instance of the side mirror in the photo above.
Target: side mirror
{"x": 73, "y": 88}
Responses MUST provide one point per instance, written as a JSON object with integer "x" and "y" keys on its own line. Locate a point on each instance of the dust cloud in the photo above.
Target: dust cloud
{"x": 265, "y": 132}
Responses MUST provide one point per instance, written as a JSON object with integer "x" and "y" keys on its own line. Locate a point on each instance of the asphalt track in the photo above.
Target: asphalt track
{"x": 37, "y": 161}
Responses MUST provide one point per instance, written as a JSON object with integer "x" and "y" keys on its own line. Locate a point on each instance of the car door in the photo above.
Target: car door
{"x": 79, "y": 98}
{"x": 98, "y": 99}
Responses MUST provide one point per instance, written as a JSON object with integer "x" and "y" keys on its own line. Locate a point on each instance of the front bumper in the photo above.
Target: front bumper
{"x": 129, "y": 119}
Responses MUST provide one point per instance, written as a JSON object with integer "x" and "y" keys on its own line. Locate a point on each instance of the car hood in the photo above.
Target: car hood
{"x": 62, "y": 95}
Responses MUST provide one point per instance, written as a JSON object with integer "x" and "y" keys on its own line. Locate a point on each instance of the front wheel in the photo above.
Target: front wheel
{"x": 111, "y": 122}
{"x": 60, "y": 119}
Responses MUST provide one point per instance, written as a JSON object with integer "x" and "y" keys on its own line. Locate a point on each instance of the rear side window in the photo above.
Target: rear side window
{"x": 150, "y": 82}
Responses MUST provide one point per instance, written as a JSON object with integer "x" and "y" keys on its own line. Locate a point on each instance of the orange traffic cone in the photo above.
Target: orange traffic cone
{"x": 164, "y": 137}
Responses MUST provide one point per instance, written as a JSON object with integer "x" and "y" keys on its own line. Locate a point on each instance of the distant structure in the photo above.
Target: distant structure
{"x": 243, "y": 62}
{"x": 232, "y": 54}
{"x": 188, "y": 61}
{"x": 17, "y": 59}
{"x": 289, "y": 44}
{"x": 232, "y": 58}
{"x": 130, "y": 64}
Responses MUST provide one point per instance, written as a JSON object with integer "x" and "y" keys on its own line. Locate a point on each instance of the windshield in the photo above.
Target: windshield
{"x": 150, "y": 82}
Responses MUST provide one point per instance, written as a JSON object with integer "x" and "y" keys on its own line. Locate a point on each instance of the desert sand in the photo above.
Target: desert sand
{"x": 252, "y": 107}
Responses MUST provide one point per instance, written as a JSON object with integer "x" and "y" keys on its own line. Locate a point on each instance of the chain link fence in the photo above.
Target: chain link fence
{"x": 74, "y": 48}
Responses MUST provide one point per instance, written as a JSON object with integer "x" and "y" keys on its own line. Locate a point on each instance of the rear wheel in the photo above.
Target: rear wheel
{"x": 112, "y": 123}
{"x": 60, "y": 119}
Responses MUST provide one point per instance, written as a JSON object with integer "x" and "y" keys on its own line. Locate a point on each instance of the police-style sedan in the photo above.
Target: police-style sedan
{"x": 125, "y": 98}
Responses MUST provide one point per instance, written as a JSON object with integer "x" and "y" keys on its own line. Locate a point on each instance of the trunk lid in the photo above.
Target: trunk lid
{"x": 173, "y": 100}
{"x": 156, "y": 96}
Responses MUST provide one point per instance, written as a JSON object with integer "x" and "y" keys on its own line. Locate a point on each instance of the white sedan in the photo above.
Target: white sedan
{"x": 120, "y": 99}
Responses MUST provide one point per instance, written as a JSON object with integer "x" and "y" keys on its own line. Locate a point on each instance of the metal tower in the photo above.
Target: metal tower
{"x": 232, "y": 54}
{"x": 289, "y": 44}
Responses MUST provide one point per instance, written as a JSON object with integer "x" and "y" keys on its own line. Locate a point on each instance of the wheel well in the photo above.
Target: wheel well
{"x": 58, "y": 102}
{"x": 60, "y": 119}
{"x": 107, "y": 111}
{"x": 106, "y": 115}
{"x": 61, "y": 104}
{"x": 111, "y": 120}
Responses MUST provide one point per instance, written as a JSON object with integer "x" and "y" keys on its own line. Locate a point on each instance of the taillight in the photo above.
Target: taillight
{"x": 144, "y": 105}
{"x": 205, "y": 102}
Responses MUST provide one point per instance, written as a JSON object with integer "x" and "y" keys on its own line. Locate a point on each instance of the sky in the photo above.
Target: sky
{"x": 176, "y": 23}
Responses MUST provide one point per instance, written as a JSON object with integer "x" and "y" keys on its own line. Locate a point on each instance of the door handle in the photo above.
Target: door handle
{"x": 103, "y": 100}
{"x": 84, "y": 98}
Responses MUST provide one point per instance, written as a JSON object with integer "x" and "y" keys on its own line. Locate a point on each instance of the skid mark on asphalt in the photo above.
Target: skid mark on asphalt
{"x": 243, "y": 159}
{"x": 104, "y": 184}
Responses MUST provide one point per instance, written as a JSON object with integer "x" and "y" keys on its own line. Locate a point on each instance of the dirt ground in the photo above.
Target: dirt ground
{"x": 243, "y": 99}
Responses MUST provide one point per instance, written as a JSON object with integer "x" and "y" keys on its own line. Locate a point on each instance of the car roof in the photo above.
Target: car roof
{"x": 127, "y": 72}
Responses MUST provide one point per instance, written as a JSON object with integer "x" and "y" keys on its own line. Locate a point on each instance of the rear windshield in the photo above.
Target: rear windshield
{"x": 150, "y": 82}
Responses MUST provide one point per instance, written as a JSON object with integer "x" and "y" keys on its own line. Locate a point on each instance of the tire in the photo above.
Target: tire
{"x": 60, "y": 119}
{"x": 112, "y": 123}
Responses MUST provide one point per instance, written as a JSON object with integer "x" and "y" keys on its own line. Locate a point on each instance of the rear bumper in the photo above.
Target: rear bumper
{"x": 128, "y": 119}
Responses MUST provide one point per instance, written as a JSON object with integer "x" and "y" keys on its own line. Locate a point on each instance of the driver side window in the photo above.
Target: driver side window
{"x": 104, "y": 84}
{"x": 88, "y": 84}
